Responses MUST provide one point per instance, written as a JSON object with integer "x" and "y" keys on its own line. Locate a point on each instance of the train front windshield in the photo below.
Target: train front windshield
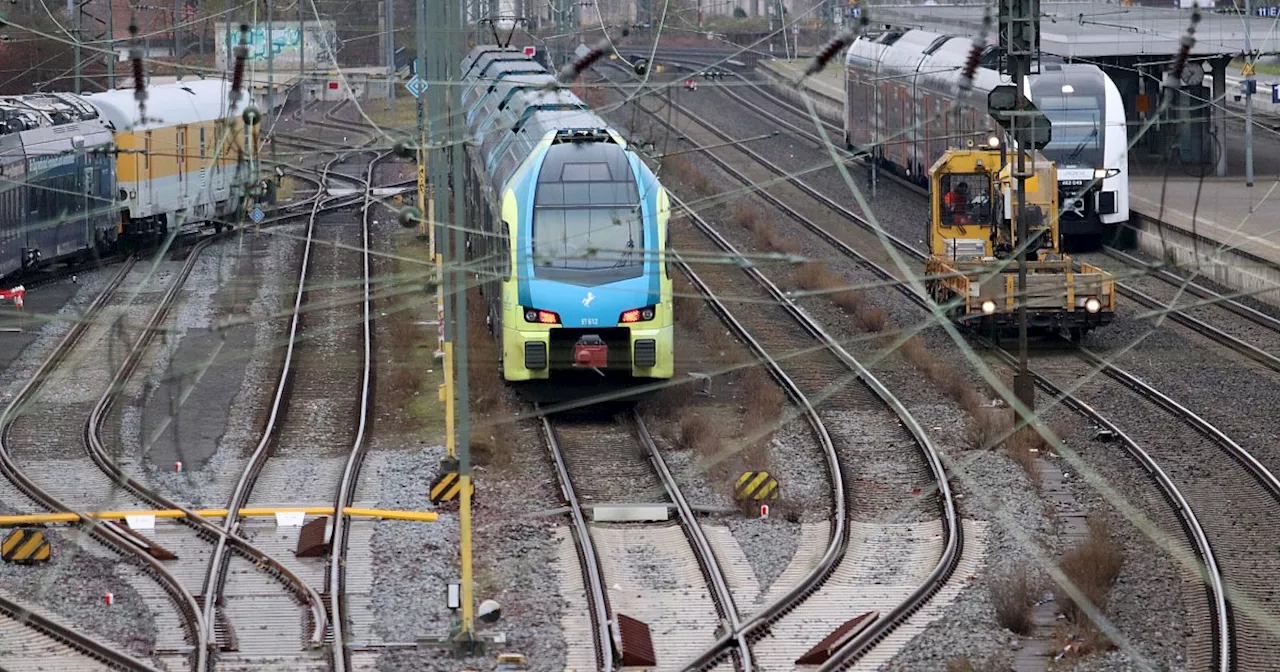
{"x": 1078, "y": 130}
{"x": 1074, "y": 99}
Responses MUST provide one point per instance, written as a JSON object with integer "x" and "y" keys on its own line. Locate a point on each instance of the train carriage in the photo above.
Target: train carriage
{"x": 574, "y": 229}
{"x": 186, "y": 161}
{"x": 57, "y": 184}
{"x": 904, "y": 99}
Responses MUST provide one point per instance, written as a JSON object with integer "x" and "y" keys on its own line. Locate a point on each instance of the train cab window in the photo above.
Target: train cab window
{"x": 965, "y": 199}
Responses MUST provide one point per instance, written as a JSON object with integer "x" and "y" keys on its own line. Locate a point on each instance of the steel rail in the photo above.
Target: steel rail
{"x": 74, "y": 638}
{"x": 1222, "y": 611}
{"x": 1221, "y": 301}
{"x": 186, "y": 603}
{"x": 216, "y": 576}
{"x": 952, "y": 531}
{"x": 598, "y": 598}
{"x": 98, "y": 452}
{"x": 1223, "y": 632}
{"x": 351, "y": 472}
{"x": 701, "y": 547}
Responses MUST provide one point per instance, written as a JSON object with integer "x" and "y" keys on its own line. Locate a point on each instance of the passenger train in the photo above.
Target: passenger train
{"x": 82, "y": 175}
{"x": 573, "y": 229}
{"x": 903, "y": 96}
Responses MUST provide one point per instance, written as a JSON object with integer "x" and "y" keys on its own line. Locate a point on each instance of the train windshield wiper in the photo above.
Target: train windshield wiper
{"x": 1083, "y": 143}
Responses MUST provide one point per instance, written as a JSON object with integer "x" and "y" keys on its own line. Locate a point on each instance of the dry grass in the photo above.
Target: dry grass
{"x": 697, "y": 434}
{"x": 1024, "y": 447}
{"x": 1014, "y": 597}
{"x": 767, "y": 237}
{"x": 872, "y": 319}
{"x": 763, "y": 396}
{"x": 485, "y": 385}
{"x": 490, "y": 443}
{"x": 987, "y": 426}
{"x": 1092, "y": 566}
{"x": 961, "y": 665}
{"x": 671, "y": 400}
{"x": 687, "y": 303}
{"x": 687, "y": 174}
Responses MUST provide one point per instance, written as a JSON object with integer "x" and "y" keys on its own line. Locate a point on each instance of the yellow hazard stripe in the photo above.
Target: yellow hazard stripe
{"x": 12, "y": 541}
{"x": 446, "y": 482}
{"x": 758, "y": 481}
{"x": 769, "y": 488}
{"x": 29, "y": 547}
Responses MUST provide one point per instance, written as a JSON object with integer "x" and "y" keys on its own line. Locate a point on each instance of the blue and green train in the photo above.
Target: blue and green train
{"x": 569, "y": 229}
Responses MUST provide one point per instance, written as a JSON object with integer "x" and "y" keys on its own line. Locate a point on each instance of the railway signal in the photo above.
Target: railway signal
{"x": 1002, "y": 105}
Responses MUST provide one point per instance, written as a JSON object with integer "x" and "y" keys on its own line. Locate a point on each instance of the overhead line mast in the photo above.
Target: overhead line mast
{"x": 1020, "y": 41}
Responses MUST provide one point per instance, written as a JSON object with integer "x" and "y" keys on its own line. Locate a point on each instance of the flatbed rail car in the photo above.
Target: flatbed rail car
{"x": 973, "y": 244}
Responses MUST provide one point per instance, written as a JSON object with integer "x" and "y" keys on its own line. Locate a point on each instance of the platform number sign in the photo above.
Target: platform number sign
{"x": 256, "y": 215}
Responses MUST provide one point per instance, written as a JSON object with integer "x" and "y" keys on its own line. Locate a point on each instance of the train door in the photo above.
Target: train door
{"x": 144, "y": 176}
{"x": 183, "y": 180}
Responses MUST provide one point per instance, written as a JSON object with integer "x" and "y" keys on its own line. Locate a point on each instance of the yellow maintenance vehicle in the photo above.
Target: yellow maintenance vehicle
{"x": 973, "y": 249}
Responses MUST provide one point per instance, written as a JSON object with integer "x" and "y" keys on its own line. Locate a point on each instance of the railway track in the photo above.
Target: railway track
{"x": 184, "y": 639}
{"x": 669, "y": 575}
{"x": 1217, "y": 611}
{"x": 297, "y": 460}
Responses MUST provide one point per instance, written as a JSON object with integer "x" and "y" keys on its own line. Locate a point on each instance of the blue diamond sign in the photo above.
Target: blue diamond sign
{"x": 416, "y": 85}
{"x": 256, "y": 215}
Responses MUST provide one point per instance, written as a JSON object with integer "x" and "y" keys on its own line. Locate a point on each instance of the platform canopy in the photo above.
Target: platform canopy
{"x": 1098, "y": 30}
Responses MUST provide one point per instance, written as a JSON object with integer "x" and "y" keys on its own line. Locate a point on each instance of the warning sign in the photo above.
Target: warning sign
{"x": 756, "y": 485}
{"x": 25, "y": 547}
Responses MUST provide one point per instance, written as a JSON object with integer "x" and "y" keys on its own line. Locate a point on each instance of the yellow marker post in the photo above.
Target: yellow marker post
{"x": 451, "y": 444}
{"x": 464, "y": 528}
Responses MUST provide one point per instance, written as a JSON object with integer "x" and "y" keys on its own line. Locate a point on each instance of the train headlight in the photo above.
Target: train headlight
{"x": 540, "y": 316}
{"x": 988, "y": 307}
{"x": 637, "y": 315}
{"x": 1093, "y": 305}
{"x": 1099, "y": 173}
{"x": 993, "y": 142}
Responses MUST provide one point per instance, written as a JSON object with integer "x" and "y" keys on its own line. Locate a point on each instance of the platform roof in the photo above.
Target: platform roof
{"x": 1099, "y": 30}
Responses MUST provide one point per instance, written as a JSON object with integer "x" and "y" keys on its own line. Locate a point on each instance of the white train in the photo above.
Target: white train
{"x": 903, "y": 98}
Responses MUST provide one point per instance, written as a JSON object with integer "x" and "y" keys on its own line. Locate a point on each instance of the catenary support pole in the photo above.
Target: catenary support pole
{"x": 457, "y": 27}
{"x": 1020, "y": 23}
{"x": 1251, "y": 83}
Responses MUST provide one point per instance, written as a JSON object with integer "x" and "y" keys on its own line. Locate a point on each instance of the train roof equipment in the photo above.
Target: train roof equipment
{"x": 169, "y": 104}
{"x": 973, "y": 244}
{"x": 42, "y": 110}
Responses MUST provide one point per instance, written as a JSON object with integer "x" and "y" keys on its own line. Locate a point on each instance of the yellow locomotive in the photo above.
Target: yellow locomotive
{"x": 973, "y": 249}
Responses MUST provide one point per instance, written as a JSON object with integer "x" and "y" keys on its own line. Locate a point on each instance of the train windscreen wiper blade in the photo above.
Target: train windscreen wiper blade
{"x": 1080, "y": 147}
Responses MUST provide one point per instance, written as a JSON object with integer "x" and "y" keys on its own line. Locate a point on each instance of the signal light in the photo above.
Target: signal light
{"x": 631, "y": 315}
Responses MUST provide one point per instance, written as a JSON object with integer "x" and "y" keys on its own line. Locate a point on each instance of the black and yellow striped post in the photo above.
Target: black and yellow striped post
{"x": 755, "y": 485}
{"x": 25, "y": 547}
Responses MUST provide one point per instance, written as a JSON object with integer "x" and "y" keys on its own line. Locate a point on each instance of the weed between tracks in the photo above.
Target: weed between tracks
{"x": 493, "y": 434}
{"x": 1014, "y": 597}
{"x": 1092, "y": 566}
{"x": 412, "y": 372}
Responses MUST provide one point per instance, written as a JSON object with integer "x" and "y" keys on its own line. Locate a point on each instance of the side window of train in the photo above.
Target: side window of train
{"x": 146, "y": 153}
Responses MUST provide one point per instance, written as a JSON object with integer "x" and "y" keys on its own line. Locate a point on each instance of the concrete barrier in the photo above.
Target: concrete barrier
{"x": 1235, "y": 269}
{"x": 828, "y": 102}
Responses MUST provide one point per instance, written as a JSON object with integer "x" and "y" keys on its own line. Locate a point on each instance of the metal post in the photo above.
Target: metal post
{"x": 111, "y": 46}
{"x": 271, "y": 78}
{"x": 391, "y": 52}
{"x": 456, "y": 133}
{"x": 1020, "y": 23}
{"x": 1250, "y": 83}
{"x": 177, "y": 43}
{"x": 73, "y": 7}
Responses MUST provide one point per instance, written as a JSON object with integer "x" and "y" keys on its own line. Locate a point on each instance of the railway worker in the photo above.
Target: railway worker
{"x": 955, "y": 203}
